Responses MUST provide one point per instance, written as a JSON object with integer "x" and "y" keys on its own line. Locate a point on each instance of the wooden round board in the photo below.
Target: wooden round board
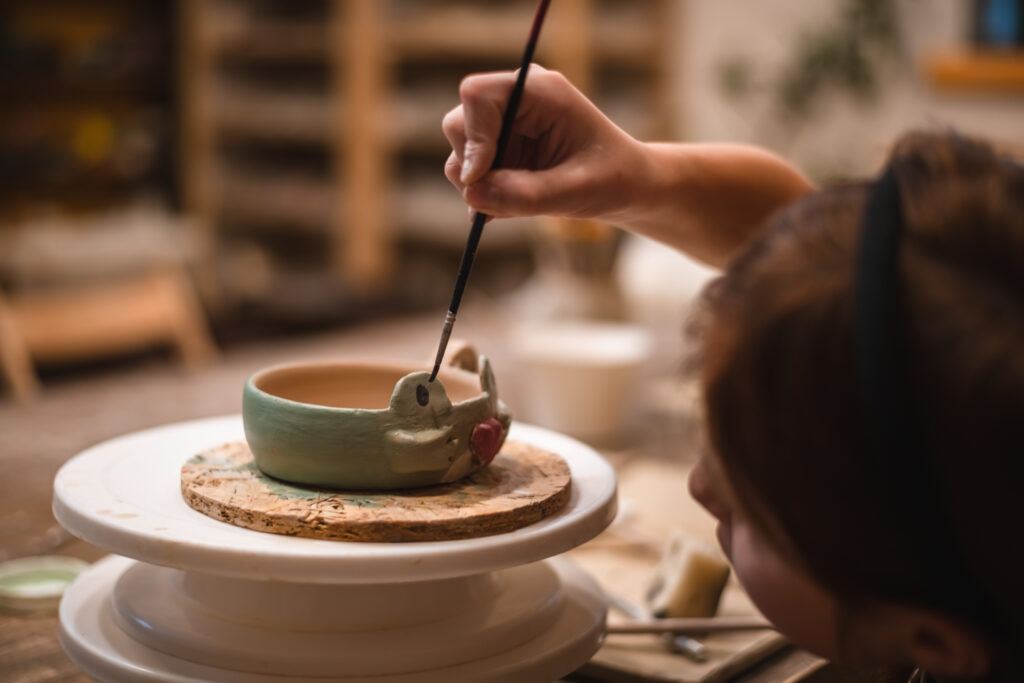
{"x": 523, "y": 485}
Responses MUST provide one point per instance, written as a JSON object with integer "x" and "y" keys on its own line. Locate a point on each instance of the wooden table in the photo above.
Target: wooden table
{"x": 76, "y": 413}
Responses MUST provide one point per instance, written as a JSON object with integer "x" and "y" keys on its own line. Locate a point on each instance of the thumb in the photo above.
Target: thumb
{"x": 478, "y": 155}
{"x": 508, "y": 192}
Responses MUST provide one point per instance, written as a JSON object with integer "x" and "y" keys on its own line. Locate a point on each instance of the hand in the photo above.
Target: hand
{"x": 564, "y": 157}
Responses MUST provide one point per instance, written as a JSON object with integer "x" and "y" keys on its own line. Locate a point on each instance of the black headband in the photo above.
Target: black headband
{"x": 891, "y": 423}
{"x": 885, "y": 400}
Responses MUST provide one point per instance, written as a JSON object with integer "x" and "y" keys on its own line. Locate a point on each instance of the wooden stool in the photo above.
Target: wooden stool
{"x": 154, "y": 308}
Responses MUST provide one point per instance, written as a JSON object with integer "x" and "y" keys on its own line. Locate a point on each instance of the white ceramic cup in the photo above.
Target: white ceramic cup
{"x": 580, "y": 377}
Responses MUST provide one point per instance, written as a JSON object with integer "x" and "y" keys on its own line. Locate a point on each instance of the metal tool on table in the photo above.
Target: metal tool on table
{"x": 480, "y": 218}
{"x": 682, "y": 644}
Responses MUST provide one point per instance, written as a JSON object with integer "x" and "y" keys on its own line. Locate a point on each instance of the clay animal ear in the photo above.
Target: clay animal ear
{"x": 462, "y": 355}
{"x": 487, "y": 382}
{"x": 415, "y": 394}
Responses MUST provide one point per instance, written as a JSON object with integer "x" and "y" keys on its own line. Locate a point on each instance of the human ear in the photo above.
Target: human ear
{"x": 945, "y": 647}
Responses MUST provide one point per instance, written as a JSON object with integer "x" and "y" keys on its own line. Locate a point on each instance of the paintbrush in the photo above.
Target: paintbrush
{"x": 676, "y": 642}
{"x": 480, "y": 218}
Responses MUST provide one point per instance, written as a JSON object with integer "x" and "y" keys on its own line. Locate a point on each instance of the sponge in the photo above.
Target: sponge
{"x": 689, "y": 580}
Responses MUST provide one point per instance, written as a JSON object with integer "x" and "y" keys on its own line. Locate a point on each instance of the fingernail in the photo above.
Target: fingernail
{"x": 471, "y": 212}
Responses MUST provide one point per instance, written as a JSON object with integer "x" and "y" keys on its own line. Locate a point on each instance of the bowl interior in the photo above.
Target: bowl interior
{"x": 366, "y": 386}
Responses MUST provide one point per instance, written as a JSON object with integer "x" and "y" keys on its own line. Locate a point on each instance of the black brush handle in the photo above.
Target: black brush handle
{"x": 507, "y": 119}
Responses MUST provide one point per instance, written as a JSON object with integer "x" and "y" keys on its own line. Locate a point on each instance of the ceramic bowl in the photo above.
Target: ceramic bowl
{"x": 371, "y": 425}
{"x": 581, "y": 378}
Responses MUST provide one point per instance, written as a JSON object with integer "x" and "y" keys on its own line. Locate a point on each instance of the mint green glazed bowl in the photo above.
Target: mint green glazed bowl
{"x": 372, "y": 425}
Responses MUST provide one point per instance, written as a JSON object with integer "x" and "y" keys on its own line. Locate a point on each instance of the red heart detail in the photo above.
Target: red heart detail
{"x": 486, "y": 440}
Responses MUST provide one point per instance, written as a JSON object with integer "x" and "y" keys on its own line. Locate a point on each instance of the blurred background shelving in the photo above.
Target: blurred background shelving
{"x": 89, "y": 101}
{"x": 87, "y": 129}
{"x": 980, "y": 71}
{"x": 285, "y": 159}
{"x": 320, "y": 122}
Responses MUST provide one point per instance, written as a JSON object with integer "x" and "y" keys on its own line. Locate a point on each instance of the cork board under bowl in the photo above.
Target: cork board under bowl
{"x": 523, "y": 485}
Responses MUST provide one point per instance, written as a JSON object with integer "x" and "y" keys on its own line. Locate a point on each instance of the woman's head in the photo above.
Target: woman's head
{"x": 790, "y": 441}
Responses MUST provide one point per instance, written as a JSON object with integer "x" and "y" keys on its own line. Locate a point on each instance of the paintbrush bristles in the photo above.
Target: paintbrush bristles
{"x": 446, "y": 333}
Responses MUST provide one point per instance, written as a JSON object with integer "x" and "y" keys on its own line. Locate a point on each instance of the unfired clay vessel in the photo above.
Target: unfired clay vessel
{"x": 375, "y": 426}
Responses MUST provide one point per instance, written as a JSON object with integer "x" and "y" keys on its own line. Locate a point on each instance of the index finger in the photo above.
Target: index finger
{"x": 484, "y": 98}
{"x": 454, "y": 127}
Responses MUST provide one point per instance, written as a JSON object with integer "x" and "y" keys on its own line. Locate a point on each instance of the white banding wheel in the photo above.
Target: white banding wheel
{"x": 213, "y": 602}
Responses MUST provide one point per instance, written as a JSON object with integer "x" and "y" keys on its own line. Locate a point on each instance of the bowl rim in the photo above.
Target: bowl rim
{"x": 403, "y": 368}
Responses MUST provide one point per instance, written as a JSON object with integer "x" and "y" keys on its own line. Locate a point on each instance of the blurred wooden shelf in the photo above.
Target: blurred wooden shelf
{"x": 428, "y": 210}
{"x": 478, "y": 34}
{"x": 85, "y": 86}
{"x": 362, "y": 86}
{"x": 497, "y": 34}
{"x": 626, "y": 41}
{"x": 274, "y": 116}
{"x": 48, "y": 89}
{"x": 263, "y": 41}
{"x": 425, "y": 209}
{"x": 72, "y": 186}
{"x": 988, "y": 71}
{"x": 483, "y": 33}
{"x": 413, "y": 117}
{"x": 303, "y": 203}
{"x": 466, "y": 32}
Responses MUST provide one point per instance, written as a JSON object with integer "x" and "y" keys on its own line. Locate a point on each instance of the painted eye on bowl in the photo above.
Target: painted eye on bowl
{"x": 422, "y": 395}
